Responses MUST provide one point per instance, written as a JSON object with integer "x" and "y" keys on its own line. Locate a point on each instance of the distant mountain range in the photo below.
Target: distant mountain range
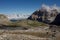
{"x": 17, "y": 16}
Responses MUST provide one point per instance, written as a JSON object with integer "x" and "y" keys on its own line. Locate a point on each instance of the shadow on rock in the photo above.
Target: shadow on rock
{"x": 56, "y": 21}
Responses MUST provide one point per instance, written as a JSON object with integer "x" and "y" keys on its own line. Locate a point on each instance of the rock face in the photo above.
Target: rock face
{"x": 57, "y": 20}
{"x": 47, "y": 14}
{"x": 36, "y": 15}
{"x": 44, "y": 15}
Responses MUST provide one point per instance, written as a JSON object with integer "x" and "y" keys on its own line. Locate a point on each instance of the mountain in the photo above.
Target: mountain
{"x": 45, "y": 14}
{"x": 17, "y": 16}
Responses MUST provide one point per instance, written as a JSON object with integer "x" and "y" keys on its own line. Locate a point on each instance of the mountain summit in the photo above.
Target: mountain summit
{"x": 45, "y": 14}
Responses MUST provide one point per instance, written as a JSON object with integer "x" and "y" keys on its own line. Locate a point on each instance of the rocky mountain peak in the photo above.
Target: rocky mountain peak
{"x": 45, "y": 14}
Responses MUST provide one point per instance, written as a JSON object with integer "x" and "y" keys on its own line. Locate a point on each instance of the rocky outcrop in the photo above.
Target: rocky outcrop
{"x": 3, "y": 19}
{"x": 43, "y": 16}
{"x": 36, "y": 15}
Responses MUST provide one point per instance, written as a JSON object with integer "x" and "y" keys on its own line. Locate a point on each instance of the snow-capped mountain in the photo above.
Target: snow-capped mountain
{"x": 45, "y": 13}
{"x": 18, "y": 16}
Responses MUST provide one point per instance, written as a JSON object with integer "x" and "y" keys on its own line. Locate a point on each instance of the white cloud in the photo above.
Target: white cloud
{"x": 49, "y": 8}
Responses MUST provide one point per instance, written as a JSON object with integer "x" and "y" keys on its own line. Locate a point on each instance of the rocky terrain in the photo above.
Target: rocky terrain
{"x": 41, "y": 25}
{"x": 28, "y": 30}
{"x": 37, "y": 33}
{"x": 20, "y": 37}
{"x": 23, "y": 35}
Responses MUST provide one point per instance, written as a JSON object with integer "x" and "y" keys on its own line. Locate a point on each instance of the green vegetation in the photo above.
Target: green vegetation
{"x": 22, "y": 23}
{"x": 29, "y": 23}
{"x": 36, "y": 24}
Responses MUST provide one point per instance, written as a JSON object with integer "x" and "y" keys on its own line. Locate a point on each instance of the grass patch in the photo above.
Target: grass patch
{"x": 26, "y": 23}
{"x": 36, "y": 24}
{"x": 29, "y": 23}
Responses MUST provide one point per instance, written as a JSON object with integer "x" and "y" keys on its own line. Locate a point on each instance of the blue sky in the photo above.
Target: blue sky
{"x": 24, "y": 6}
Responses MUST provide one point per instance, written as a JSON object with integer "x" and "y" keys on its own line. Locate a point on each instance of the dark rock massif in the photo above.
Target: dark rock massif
{"x": 47, "y": 15}
{"x": 44, "y": 16}
{"x": 56, "y": 21}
